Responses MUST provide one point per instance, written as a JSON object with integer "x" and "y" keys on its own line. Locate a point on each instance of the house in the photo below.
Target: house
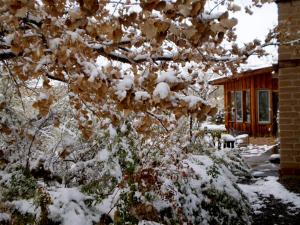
{"x": 251, "y": 101}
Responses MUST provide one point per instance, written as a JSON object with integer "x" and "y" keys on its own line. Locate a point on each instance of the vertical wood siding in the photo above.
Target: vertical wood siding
{"x": 252, "y": 84}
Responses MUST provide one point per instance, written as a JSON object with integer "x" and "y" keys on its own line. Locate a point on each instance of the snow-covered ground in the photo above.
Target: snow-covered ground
{"x": 267, "y": 187}
{"x": 255, "y": 150}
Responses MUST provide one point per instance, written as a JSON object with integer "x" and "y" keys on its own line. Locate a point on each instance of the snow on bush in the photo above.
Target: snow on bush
{"x": 51, "y": 174}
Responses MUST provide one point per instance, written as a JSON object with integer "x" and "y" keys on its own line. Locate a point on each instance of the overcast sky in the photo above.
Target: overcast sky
{"x": 257, "y": 26}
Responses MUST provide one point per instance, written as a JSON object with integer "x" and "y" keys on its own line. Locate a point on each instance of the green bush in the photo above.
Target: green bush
{"x": 21, "y": 186}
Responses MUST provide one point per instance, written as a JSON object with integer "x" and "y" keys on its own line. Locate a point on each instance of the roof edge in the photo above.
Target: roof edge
{"x": 244, "y": 74}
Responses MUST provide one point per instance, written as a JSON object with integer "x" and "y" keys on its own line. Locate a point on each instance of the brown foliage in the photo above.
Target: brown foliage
{"x": 81, "y": 46}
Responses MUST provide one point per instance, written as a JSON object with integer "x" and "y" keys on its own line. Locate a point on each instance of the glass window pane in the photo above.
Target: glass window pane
{"x": 263, "y": 106}
{"x": 248, "y": 113}
{"x": 232, "y": 107}
{"x": 239, "y": 106}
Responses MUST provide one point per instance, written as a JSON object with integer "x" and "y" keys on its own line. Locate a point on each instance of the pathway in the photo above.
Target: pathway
{"x": 271, "y": 202}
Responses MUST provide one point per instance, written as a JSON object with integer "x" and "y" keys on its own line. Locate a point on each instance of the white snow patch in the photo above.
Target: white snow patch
{"x": 162, "y": 90}
{"x": 141, "y": 96}
{"x": 123, "y": 128}
{"x": 256, "y": 150}
{"x": 274, "y": 156}
{"x": 4, "y": 217}
{"x": 168, "y": 77}
{"x": 54, "y": 43}
{"x": 112, "y": 131}
{"x": 212, "y": 127}
{"x": 43, "y": 96}
{"x": 91, "y": 69}
{"x": 103, "y": 155}
{"x": 146, "y": 222}
{"x": 24, "y": 206}
{"x": 227, "y": 137}
{"x": 267, "y": 187}
{"x": 192, "y": 100}
{"x": 123, "y": 86}
{"x": 43, "y": 61}
{"x": 69, "y": 207}
{"x": 107, "y": 204}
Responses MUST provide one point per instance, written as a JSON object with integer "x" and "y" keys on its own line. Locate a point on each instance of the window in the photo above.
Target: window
{"x": 239, "y": 106}
{"x": 232, "y": 106}
{"x": 228, "y": 110}
{"x": 263, "y": 106}
{"x": 247, "y": 106}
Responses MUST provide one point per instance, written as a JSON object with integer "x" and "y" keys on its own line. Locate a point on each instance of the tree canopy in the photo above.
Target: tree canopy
{"x": 118, "y": 57}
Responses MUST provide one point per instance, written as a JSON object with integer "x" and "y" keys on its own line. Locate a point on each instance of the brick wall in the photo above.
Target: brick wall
{"x": 289, "y": 88}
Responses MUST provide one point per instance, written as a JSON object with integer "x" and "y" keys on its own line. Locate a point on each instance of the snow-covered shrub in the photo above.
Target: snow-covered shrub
{"x": 20, "y": 185}
{"x": 197, "y": 189}
{"x": 118, "y": 174}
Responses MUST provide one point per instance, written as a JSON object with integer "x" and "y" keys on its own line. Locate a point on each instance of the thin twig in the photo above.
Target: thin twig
{"x": 216, "y": 6}
{"x": 157, "y": 118}
{"x": 16, "y": 83}
{"x": 33, "y": 139}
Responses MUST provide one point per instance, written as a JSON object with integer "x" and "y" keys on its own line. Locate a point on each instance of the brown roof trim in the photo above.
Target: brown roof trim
{"x": 285, "y": 1}
{"x": 248, "y": 73}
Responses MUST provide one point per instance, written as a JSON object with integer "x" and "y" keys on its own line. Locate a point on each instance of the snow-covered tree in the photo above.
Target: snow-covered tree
{"x": 95, "y": 94}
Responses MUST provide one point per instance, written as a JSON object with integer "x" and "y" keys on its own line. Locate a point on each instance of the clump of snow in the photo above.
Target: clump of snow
{"x": 274, "y": 156}
{"x": 54, "y": 43}
{"x": 2, "y": 97}
{"x": 192, "y": 100}
{"x": 212, "y": 127}
{"x": 123, "y": 128}
{"x": 43, "y": 96}
{"x": 107, "y": 205}
{"x": 123, "y": 86}
{"x": 242, "y": 136}
{"x": 112, "y": 131}
{"x": 91, "y": 69}
{"x": 168, "y": 77}
{"x": 162, "y": 90}
{"x": 74, "y": 35}
{"x": 4, "y": 218}
{"x": 24, "y": 206}
{"x": 227, "y": 137}
{"x": 8, "y": 38}
{"x": 43, "y": 61}
{"x": 102, "y": 155}
{"x": 141, "y": 96}
{"x": 268, "y": 187}
{"x": 69, "y": 208}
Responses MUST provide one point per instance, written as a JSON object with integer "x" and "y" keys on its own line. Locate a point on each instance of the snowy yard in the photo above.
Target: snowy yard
{"x": 271, "y": 202}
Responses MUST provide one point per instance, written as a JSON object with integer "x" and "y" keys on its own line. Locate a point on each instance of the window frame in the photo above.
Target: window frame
{"x": 268, "y": 108}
